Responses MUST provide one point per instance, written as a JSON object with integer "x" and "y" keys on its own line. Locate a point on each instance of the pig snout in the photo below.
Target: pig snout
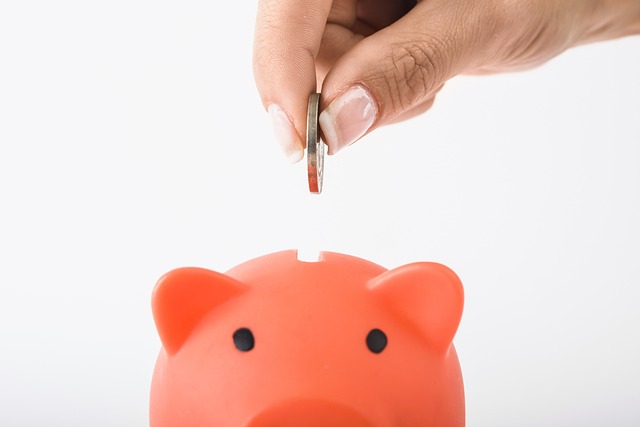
{"x": 309, "y": 413}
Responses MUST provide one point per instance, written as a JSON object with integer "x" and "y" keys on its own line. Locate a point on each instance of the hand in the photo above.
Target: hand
{"x": 381, "y": 61}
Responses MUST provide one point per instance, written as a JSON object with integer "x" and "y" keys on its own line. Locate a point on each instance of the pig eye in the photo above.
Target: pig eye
{"x": 243, "y": 339}
{"x": 376, "y": 341}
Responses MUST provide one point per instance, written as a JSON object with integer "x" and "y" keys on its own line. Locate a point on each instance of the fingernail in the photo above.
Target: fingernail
{"x": 285, "y": 134}
{"x": 347, "y": 118}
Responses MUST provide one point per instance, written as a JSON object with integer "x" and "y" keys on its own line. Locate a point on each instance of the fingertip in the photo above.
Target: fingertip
{"x": 348, "y": 117}
{"x": 286, "y": 134}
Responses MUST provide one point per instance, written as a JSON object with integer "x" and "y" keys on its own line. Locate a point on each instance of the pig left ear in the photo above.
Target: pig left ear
{"x": 183, "y": 297}
{"x": 427, "y": 295}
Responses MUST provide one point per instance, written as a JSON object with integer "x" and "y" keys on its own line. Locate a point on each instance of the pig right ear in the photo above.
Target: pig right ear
{"x": 427, "y": 295}
{"x": 183, "y": 297}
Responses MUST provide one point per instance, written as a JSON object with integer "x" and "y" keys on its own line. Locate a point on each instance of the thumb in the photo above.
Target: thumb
{"x": 394, "y": 73}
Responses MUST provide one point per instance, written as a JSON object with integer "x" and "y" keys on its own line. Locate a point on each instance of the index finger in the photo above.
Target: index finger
{"x": 286, "y": 43}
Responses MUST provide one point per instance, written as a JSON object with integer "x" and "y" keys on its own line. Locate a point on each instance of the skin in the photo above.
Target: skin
{"x": 402, "y": 52}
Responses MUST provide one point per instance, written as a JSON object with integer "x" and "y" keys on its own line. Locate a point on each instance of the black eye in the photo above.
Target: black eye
{"x": 376, "y": 341}
{"x": 243, "y": 339}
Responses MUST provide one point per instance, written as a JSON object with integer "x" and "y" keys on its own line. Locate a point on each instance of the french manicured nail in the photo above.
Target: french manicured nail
{"x": 347, "y": 118}
{"x": 286, "y": 134}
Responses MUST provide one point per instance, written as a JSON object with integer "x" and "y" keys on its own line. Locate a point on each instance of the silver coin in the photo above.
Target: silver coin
{"x": 315, "y": 146}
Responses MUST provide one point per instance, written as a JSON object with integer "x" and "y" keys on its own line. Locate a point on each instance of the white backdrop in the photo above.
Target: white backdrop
{"x": 132, "y": 141}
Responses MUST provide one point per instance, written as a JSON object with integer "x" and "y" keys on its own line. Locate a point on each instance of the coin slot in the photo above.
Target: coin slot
{"x": 308, "y": 255}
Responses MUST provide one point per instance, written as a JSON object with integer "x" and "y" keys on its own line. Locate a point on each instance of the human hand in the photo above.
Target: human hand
{"x": 382, "y": 61}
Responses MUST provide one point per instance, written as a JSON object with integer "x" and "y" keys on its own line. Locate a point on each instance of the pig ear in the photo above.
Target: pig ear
{"x": 181, "y": 299}
{"x": 428, "y": 296}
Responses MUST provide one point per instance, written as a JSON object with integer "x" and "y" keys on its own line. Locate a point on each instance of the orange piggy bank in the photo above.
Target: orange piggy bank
{"x": 278, "y": 342}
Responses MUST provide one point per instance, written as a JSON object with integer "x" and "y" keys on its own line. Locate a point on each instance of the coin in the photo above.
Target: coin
{"x": 315, "y": 146}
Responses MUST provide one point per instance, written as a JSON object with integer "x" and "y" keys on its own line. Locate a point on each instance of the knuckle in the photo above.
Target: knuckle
{"x": 528, "y": 33}
{"x": 415, "y": 73}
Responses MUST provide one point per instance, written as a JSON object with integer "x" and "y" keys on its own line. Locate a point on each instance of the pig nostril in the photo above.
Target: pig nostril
{"x": 243, "y": 339}
{"x": 376, "y": 341}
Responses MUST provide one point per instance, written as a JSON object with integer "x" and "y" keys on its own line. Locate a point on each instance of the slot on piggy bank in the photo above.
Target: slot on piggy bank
{"x": 279, "y": 342}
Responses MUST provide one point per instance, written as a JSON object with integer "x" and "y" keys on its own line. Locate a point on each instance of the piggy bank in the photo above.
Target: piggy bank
{"x": 278, "y": 342}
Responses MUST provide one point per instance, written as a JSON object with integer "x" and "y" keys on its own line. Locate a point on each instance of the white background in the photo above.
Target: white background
{"x": 132, "y": 141}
